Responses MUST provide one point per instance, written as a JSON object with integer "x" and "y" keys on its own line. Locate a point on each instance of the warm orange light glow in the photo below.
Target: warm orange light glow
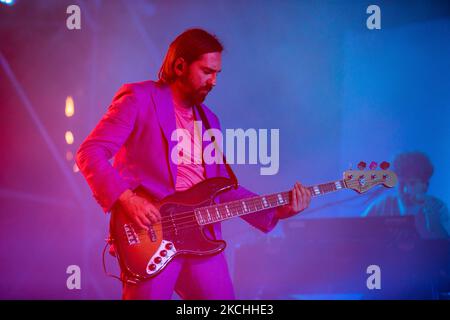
{"x": 70, "y": 107}
{"x": 69, "y": 137}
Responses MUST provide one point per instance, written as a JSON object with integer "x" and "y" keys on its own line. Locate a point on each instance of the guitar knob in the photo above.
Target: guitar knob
{"x": 163, "y": 253}
{"x": 385, "y": 165}
{"x": 152, "y": 267}
{"x": 157, "y": 260}
{"x": 373, "y": 165}
{"x": 169, "y": 246}
{"x": 361, "y": 165}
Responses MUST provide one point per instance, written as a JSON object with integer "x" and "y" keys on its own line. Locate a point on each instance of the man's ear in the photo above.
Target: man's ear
{"x": 179, "y": 66}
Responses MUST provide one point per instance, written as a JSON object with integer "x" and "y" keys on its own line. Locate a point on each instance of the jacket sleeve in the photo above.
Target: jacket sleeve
{"x": 103, "y": 143}
{"x": 264, "y": 220}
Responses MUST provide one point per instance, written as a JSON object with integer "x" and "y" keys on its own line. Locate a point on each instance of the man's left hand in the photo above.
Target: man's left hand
{"x": 301, "y": 197}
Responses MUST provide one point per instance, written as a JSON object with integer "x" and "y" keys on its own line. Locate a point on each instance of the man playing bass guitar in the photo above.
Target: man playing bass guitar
{"x": 136, "y": 130}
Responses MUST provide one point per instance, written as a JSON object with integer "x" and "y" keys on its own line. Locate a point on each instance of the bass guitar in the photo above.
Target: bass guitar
{"x": 184, "y": 216}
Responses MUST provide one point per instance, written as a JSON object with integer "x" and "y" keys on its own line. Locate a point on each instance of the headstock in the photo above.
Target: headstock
{"x": 363, "y": 180}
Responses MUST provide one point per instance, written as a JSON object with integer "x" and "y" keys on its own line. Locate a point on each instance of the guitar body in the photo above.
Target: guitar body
{"x": 143, "y": 254}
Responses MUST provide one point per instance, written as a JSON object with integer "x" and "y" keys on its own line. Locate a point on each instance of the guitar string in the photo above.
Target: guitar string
{"x": 238, "y": 204}
{"x": 231, "y": 205}
{"x": 178, "y": 224}
{"x": 193, "y": 224}
{"x": 189, "y": 224}
{"x": 190, "y": 215}
{"x": 251, "y": 201}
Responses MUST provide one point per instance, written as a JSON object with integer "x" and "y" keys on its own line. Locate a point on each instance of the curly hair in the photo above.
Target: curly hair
{"x": 415, "y": 164}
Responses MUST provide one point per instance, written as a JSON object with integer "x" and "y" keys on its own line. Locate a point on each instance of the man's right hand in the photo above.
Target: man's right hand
{"x": 141, "y": 211}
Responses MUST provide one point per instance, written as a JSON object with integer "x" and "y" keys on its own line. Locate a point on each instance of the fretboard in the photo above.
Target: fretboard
{"x": 228, "y": 210}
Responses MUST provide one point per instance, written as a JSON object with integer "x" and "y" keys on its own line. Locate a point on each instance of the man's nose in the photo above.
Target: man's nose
{"x": 213, "y": 80}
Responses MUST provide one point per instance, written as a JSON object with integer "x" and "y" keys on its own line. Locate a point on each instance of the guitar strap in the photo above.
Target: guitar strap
{"x": 204, "y": 119}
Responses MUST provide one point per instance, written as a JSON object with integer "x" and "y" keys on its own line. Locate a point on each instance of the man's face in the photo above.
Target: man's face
{"x": 412, "y": 191}
{"x": 201, "y": 76}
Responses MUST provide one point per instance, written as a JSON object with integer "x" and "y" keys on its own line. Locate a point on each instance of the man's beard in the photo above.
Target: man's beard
{"x": 195, "y": 95}
{"x": 200, "y": 95}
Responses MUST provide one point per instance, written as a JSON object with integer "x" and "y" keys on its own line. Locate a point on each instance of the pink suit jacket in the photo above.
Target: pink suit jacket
{"x": 136, "y": 130}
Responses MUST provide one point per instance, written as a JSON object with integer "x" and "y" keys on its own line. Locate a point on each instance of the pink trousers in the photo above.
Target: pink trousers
{"x": 193, "y": 278}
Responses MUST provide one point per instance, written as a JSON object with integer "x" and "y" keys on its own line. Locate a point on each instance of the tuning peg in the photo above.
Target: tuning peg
{"x": 373, "y": 165}
{"x": 385, "y": 165}
{"x": 361, "y": 165}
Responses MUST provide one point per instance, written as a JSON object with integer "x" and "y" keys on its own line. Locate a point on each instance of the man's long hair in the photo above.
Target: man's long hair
{"x": 189, "y": 45}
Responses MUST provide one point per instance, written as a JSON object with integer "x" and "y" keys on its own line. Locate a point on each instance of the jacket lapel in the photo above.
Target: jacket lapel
{"x": 166, "y": 117}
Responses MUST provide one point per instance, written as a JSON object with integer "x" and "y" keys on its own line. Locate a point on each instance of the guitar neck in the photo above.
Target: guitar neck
{"x": 228, "y": 210}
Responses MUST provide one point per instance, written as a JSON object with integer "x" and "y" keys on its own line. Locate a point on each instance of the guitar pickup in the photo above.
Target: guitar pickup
{"x": 131, "y": 235}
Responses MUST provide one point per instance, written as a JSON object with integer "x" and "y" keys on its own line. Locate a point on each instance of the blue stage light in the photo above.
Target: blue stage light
{"x": 8, "y": 2}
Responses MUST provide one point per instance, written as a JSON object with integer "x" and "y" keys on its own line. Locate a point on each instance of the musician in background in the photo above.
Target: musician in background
{"x": 414, "y": 171}
{"x": 136, "y": 130}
